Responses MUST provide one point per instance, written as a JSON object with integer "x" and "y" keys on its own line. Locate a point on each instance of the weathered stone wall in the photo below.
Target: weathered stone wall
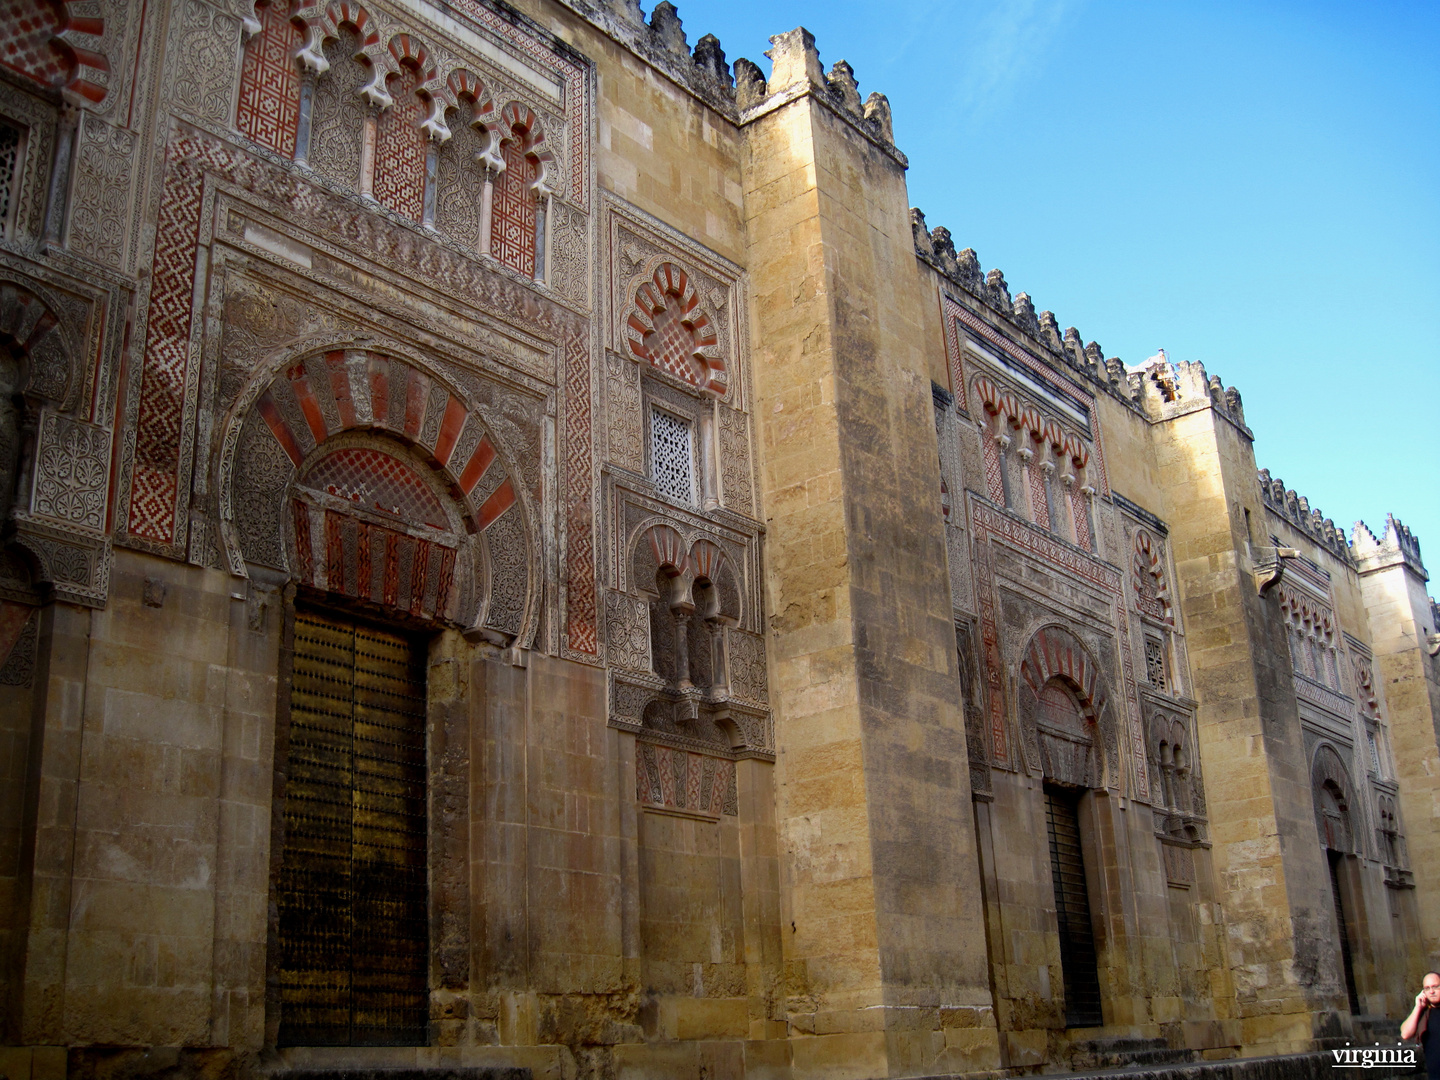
{"x": 736, "y": 762}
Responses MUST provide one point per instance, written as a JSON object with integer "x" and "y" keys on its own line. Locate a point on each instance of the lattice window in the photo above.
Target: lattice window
{"x": 12, "y": 141}
{"x": 400, "y": 149}
{"x": 1374, "y": 745}
{"x": 512, "y": 229}
{"x": 1155, "y": 664}
{"x": 672, "y": 456}
{"x": 269, "y": 107}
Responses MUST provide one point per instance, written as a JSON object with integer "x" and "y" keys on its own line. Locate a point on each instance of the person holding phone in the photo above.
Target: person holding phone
{"x": 1418, "y": 1026}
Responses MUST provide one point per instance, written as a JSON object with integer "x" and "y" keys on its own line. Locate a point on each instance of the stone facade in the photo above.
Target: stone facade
{"x": 814, "y": 662}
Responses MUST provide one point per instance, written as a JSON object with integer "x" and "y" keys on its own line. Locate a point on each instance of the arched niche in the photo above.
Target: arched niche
{"x": 693, "y": 595}
{"x": 1332, "y": 791}
{"x": 1063, "y": 707}
{"x": 369, "y": 476}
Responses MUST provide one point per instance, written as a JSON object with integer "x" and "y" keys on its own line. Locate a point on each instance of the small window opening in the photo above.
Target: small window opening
{"x": 1155, "y": 667}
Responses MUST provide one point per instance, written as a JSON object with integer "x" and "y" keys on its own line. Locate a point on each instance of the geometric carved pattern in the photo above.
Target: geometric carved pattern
{"x": 672, "y": 456}
{"x": 34, "y": 45}
{"x": 270, "y": 81}
{"x": 459, "y": 181}
{"x": 27, "y": 323}
{"x": 512, "y": 230}
{"x": 679, "y": 779}
{"x": 582, "y": 617}
{"x": 337, "y": 115}
{"x": 9, "y": 173}
{"x": 667, "y": 328}
{"x": 164, "y": 381}
{"x": 400, "y": 148}
{"x": 380, "y": 483}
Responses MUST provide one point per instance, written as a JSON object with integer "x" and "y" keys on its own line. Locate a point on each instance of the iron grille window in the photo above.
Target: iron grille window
{"x": 1072, "y": 910}
{"x": 10, "y": 146}
{"x": 672, "y": 456}
{"x": 1155, "y": 664}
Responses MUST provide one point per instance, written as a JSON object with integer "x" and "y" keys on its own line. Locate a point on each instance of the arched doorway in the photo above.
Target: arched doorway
{"x": 1062, "y": 699}
{"x": 1331, "y": 788}
{"x": 1066, "y": 741}
{"x": 376, "y": 490}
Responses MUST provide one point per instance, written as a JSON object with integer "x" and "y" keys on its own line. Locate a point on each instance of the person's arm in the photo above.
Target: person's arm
{"x": 1407, "y": 1029}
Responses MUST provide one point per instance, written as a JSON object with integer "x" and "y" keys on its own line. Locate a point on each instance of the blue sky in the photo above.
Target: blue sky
{"x": 1253, "y": 185}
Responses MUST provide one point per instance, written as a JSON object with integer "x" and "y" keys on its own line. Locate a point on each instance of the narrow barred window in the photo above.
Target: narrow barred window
{"x": 672, "y": 456}
{"x": 10, "y": 144}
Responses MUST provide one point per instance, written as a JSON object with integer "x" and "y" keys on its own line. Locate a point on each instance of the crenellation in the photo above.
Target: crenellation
{"x": 710, "y": 59}
{"x": 1297, "y": 511}
{"x": 841, "y": 81}
{"x": 877, "y": 115}
{"x": 920, "y": 234}
{"x": 1396, "y": 544}
{"x": 750, "y": 86}
{"x": 1165, "y": 390}
{"x": 997, "y": 292}
{"x": 667, "y": 31}
{"x": 1025, "y": 315}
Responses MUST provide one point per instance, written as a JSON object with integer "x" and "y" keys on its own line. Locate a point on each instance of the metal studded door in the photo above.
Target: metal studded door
{"x": 354, "y": 938}
{"x": 1072, "y": 910}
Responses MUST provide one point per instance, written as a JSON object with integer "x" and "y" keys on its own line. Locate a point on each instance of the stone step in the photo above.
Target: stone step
{"x": 1280, "y": 1067}
{"x": 343, "y": 1072}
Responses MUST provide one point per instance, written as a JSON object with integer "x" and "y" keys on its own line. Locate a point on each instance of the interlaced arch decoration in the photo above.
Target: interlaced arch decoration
{"x": 668, "y": 329}
{"x": 400, "y": 150}
{"x": 1071, "y": 753}
{"x": 1152, "y": 590}
{"x": 1014, "y": 422}
{"x": 63, "y": 51}
{"x": 522, "y": 182}
{"x": 387, "y": 486}
{"x": 1332, "y": 791}
{"x": 1311, "y": 633}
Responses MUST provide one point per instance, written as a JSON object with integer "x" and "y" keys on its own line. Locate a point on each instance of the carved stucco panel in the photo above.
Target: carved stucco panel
{"x": 627, "y": 631}
{"x": 105, "y": 163}
{"x": 72, "y": 469}
{"x": 206, "y": 58}
{"x": 624, "y": 422}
